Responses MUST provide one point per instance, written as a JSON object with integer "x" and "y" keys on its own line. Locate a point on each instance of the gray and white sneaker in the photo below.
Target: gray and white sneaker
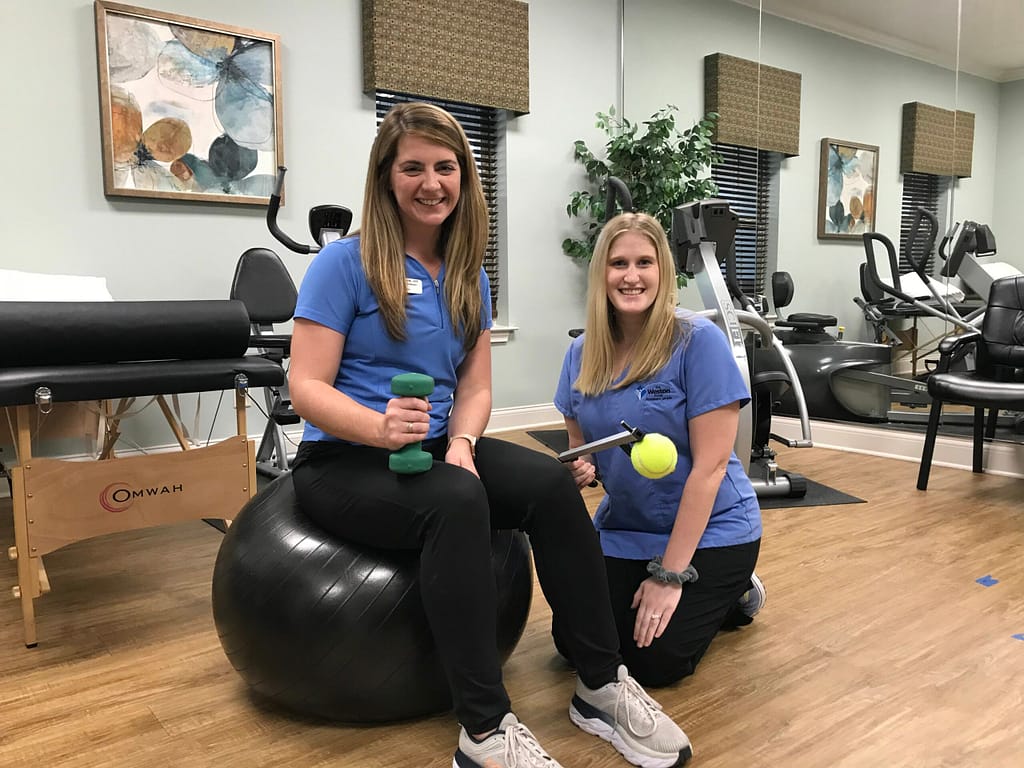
{"x": 622, "y": 713}
{"x": 753, "y": 599}
{"x": 511, "y": 746}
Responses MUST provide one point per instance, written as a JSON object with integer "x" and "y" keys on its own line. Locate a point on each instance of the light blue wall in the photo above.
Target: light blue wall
{"x": 574, "y": 72}
{"x": 665, "y": 42}
{"x": 57, "y": 220}
{"x": 1006, "y": 216}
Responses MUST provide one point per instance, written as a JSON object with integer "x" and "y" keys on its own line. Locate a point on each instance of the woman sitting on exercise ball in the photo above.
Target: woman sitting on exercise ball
{"x": 680, "y": 550}
{"x": 409, "y": 294}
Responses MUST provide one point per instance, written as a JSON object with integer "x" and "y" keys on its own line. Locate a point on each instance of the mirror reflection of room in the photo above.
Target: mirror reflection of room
{"x": 918, "y": 111}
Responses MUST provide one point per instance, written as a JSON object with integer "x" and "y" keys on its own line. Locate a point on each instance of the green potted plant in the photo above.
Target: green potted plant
{"x": 662, "y": 168}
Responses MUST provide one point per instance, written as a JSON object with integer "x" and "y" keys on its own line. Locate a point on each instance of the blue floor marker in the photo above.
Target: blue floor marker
{"x": 987, "y": 581}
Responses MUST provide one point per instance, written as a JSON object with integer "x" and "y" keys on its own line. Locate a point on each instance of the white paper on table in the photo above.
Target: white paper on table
{"x": 912, "y": 285}
{"x": 35, "y": 286}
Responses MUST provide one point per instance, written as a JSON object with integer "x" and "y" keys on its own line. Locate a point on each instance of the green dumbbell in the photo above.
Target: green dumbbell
{"x": 411, "y": 459}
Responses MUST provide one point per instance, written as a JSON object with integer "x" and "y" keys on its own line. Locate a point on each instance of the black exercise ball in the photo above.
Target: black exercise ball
{"x": 332, "y": 629}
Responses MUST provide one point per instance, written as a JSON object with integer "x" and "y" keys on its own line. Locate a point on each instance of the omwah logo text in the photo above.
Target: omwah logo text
{"x": 117, "y": 497}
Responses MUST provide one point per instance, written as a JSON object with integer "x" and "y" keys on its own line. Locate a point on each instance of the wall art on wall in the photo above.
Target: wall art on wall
{"x": 189, "y": 109}
{"x": 846, "y": 189}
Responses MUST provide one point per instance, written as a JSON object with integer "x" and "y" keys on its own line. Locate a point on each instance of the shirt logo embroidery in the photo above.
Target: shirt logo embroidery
{"x": 653, "y": 391}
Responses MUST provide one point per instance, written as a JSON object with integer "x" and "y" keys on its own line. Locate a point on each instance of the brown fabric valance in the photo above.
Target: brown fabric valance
{"x": 937, "y": 141}
{"x": 731, "y": 89}
{"x": 470, "y": 51}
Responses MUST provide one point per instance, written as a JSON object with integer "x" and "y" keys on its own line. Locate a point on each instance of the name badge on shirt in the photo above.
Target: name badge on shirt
{"x": 412, "y": 285}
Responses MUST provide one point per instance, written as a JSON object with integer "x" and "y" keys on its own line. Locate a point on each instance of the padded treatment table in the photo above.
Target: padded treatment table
{"x": 56, "y": 352}
{"x": 910, "y": 337}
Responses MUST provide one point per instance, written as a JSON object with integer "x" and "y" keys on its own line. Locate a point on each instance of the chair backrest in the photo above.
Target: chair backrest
{"x": 874, "y": 275}
{"x": 872, "y": 293}
{"x": 1003, "y": 326}
{"x": 263, "y": 284}
{"x": 782, "y": 290}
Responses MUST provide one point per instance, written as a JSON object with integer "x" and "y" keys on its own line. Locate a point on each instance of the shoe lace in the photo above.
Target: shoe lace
{"x": 633, "y": 699}
{"x": 522, "y": 745}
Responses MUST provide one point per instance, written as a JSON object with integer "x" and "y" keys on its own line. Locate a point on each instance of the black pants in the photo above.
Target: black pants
{"x": 447, "y": 514}
{"x": 705, "y": 607}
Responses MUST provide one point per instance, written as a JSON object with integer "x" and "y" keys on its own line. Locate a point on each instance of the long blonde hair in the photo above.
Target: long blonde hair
{"x": 463, "y": 234}
{"x": 661, "y": 331}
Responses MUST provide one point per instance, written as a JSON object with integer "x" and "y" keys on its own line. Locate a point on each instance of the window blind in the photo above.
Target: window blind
{"x": 744, "y": 179}
{"x": 920, "y": 190}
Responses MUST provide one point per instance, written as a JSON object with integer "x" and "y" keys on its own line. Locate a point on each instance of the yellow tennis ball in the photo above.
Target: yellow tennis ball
{"x": 654, "y": 456}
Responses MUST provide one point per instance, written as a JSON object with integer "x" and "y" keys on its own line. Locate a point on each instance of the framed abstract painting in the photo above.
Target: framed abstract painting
{"x": 189, "y": 109}
{"x": 846, "y": 189}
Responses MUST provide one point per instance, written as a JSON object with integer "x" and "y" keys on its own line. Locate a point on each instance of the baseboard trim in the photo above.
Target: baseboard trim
{"x": 1000, "y": 458}
{"x": 524, "y": 417}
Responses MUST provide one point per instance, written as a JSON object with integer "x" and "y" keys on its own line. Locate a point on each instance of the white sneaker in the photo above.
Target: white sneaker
{"x": 622, "y": 713}
{"x": 753, "y": 599}
{"x": 511, "y": 746}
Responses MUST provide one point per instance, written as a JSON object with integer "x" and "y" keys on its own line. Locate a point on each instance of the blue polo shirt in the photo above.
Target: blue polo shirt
{"x": 636, "y": 515}
{"x": 336, "y": 294}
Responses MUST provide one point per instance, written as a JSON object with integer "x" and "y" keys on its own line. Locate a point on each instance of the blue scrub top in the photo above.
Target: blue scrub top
{"x": 636, "y": 516}
{"x": 335, "y": 293}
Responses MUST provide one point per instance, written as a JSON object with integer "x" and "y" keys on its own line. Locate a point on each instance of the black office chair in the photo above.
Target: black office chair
{"x": 997, "y": 381}
{"x": 263, "y": 284}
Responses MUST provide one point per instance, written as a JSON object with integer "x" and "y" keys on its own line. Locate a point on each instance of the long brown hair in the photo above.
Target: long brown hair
{"x": 463, "y": 234}
{"x": 661, "y": 331}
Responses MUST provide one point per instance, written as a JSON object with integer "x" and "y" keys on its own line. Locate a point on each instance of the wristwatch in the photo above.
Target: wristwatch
{"x": 471, "y": 439}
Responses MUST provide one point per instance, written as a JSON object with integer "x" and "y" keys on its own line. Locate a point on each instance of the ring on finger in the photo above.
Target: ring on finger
{"x": 655, "y": 617}
{"x": 408, "y": 426}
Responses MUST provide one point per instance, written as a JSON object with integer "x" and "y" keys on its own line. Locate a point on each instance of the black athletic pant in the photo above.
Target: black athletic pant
{"x": 447, "y": 514}
{"x": 705, "y": 607}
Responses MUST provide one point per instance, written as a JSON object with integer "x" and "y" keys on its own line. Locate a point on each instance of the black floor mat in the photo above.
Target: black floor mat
{"x": 817, "y": 495}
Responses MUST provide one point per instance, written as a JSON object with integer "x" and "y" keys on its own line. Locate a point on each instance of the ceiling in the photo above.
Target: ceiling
{"x": 991, "y": 31}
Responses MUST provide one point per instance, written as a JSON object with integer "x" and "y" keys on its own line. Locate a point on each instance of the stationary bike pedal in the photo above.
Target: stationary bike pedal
{"x": 283, "y": 414}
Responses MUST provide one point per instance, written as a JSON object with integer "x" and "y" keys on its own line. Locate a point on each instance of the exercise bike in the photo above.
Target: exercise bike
{"x": 264, "y": 285}
{"x": 703, "y": 234}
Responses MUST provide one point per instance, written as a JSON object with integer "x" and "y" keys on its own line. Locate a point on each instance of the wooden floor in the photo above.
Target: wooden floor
{"x": 876, "y": 648}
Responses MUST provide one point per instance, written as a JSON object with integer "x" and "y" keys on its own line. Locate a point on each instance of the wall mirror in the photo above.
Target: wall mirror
{"x": 859, "y": 65}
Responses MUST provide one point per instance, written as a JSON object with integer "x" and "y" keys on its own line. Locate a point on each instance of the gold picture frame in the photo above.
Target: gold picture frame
{"x": 189, "y": 109}
{"x": 846, "y": 189}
